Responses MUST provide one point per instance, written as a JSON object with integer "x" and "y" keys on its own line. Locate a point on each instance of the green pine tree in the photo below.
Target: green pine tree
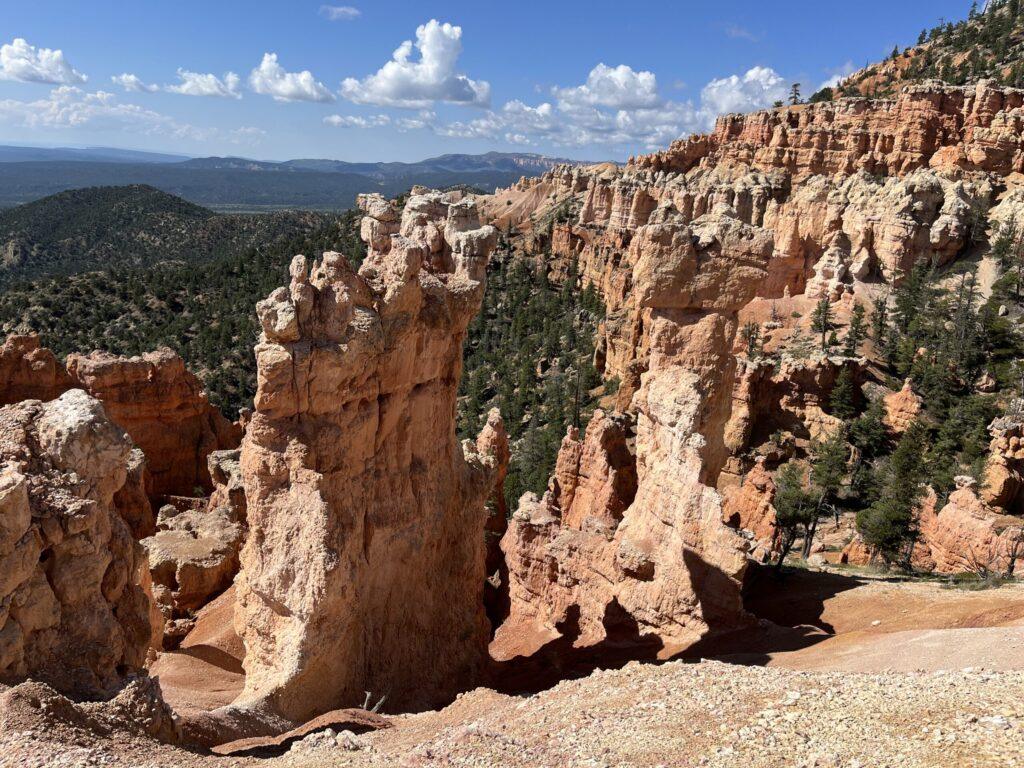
{"x": 856, "y": 331}
{"x": 889, "y": 526}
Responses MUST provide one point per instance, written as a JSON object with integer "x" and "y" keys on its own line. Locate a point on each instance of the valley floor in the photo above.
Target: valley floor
{"x": 844, "y": 671}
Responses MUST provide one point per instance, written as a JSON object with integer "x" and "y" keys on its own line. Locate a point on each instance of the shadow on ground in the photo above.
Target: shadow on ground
{"x": 788, "y": 609}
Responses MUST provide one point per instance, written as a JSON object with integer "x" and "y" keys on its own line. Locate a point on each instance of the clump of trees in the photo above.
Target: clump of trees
{"x": 530, "y": 352}
{"x": 938, "y": 331}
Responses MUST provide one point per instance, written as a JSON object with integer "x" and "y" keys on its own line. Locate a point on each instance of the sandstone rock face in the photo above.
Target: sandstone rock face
{"x": 73, "y": 612}
{"x": 788, "y": 397}
{"x": 901, "y": 409}
{"x": 966, "y": 535}
{"x": 595, "y": 479}
{"x": 609, "y": 556}
{"x": 1004, "y": 470}
{"x": 165, "y": 411}
{"x": 842, "y": 196}
{"x": 365, "y": 561}
{"x": 132, "y": 501}
{"x": 153, "y": 397}
{"x": 930, "y": 125}
{"x": 29, "y": 372}
{"x": 753, "y": 224}
{"x": 749, "y": 506}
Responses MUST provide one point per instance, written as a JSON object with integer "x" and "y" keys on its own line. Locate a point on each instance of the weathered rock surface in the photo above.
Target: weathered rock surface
{"x": 968, "y": 536}
{"x": 165, "y": 411}
{"x": 901, "y": 409}
{"x": 748, "y": 506}
{"x": 365, "y": 562}
{"x": 154, "y": 398}
{"x": 964, "y": 536}
{"x": 843, "y": 196}
{"x": 30, "y": 372}
{"x": 600, "y": 560}
{"x": 1003, "y": 485}
{"x": 74, "y": 613}
{"x": 933, "y": 125}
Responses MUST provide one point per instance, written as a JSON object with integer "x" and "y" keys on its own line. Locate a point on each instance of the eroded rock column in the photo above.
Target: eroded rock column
{"x": 364, "y": 565}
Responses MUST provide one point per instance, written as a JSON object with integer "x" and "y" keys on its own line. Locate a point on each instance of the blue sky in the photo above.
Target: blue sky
{"x": 279, "y": 80}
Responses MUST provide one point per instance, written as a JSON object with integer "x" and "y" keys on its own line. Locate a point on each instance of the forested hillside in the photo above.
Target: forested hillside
{"x": 114, "y": 227}
{"x": 205, "y": 311}
{"x": 239, "y": 184}
{"x": 984, "y": 45}
{"x": 530, "y": 353}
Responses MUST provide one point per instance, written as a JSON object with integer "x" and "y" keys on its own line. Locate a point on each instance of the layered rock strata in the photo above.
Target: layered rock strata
{"x": 74, "y": 612}
{"x": 364, "y": 566}
{"x": 848, "y": 195}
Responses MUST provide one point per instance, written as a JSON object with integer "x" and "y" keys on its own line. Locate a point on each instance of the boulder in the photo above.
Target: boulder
{"x": 75, "y": 613}
{"x": 193, "y": 554}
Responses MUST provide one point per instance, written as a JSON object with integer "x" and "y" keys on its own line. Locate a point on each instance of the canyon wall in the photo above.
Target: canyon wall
{"x": 749, "y": 225}
{"x": 850, "y": 195}
{"x": 365, "y": 562}
{"x": 162, "y": 406}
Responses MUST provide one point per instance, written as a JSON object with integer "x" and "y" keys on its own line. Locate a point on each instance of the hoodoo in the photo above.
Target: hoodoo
{"x": 365, "y": 562}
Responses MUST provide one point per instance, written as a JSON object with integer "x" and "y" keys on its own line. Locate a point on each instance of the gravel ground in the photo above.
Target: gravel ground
{"x": 676, "y": 714}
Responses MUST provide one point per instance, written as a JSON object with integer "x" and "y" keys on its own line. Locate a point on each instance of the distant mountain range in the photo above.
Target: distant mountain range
{"x": 235, "y": 183}
{"x": 12, "y": 154}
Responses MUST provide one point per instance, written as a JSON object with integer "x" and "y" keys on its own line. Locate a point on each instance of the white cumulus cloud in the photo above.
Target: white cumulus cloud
{"x": 759, "y": 87}
{"x": 357, "y": 121}
{"x": 133, "y": 83}
{"x": 617, "y": 87}
{"x": 618, "y": 107}
{"x": 198, "y": 84}
{"x": 270, "y": 79}
{"x": 21, "y": 61}
{"x": 417, "y": 84}
{"x": 70, "y": 107}
{"x": 339, "y": 12}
